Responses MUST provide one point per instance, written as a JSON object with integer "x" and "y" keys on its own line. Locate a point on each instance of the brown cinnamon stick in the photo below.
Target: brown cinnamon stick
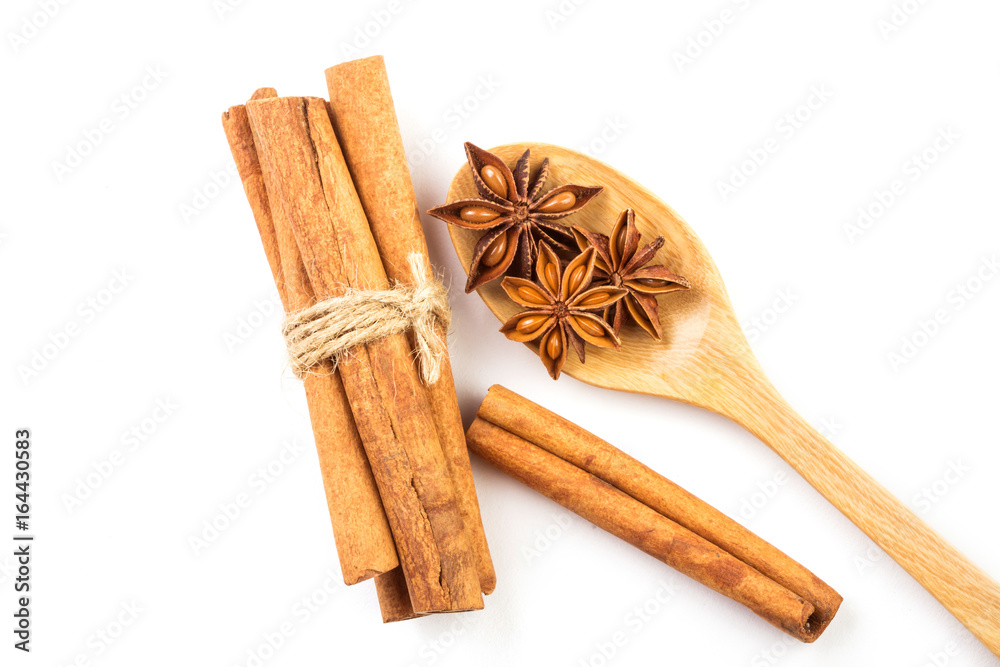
{"x": 364, "y": 118}
{"x": 619, "y": 494}
{"x": 393, "y": 597}
{"x": 306, "y": 175}
{"x": 627, "y": 518}
{"x": 364, "y": 542}
{"x": 583, "y": 449}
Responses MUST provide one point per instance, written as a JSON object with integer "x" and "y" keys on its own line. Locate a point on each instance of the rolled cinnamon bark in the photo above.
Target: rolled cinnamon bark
{"x": 361, "y": 532}
{"x": 305, "y": 174}
{"x": 625, "y": 517}
{"x": 394, "y": 598}
{"x": 364, "y": 119}
{"x": 583, "y": 449}
{"x": 364, "y": 542}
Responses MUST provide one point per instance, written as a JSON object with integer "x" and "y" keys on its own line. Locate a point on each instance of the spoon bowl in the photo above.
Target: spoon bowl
{"x": 673, "y": 367}
{"x": 705, "y": 360}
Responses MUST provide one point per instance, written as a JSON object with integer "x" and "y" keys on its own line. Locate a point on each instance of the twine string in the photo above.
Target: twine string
{"x": 330, "y": 328}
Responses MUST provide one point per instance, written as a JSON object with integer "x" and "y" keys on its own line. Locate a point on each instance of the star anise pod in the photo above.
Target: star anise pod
{"x": 560, "y": 308}
{"x": 622, "y": 263}
{"x": 514, "y": 214}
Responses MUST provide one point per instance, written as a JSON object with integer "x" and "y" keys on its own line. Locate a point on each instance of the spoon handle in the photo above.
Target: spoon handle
{"x": 965, "y": 590}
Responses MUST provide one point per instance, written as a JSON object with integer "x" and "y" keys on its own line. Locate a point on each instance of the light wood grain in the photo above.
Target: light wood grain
{"x": 705, "y": 360}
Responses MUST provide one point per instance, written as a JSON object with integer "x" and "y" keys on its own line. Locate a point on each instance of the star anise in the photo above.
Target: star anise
{"x": 514, "y": 214}
{"x": 560, "y": 307}
{"x": 621, "y": 263}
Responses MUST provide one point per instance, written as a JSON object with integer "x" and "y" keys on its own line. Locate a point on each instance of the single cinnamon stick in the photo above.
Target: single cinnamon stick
{"x": 364, "y": 542}
{"x": 364, "y": 119}
{"x": 625, "y": 517}
{"x": 308, "y": 177}
{"x": 583, "y": 449}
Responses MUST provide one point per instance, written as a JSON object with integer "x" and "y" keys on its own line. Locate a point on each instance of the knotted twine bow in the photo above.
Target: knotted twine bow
{"x": 328, "y": 329}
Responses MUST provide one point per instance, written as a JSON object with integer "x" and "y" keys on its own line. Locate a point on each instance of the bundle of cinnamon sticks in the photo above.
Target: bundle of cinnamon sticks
{"x": 621, "y": 495}
{"x": 335, "y": 208}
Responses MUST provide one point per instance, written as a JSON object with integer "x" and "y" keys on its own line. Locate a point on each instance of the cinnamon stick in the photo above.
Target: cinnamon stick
{"x": 364, "y": 119}
{"x": 364, "y": 542}
{"x": 394, "y": 597}
{"x": 583, "y": 449}
{"x": 361, "y": 532}
{"x": 619, "y": 494}
{"x": 306, "y": 175}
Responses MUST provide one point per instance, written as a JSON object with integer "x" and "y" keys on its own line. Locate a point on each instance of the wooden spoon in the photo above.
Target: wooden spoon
{"x": 705, "y": 360}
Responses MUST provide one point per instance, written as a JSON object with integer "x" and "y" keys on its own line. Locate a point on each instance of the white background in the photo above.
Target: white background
{"x": 602, "y": 76}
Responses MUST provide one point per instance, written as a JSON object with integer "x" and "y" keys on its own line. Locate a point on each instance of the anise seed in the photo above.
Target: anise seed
{"x": 531, "y": 323}
{"x": 494, "y": 180}
{"x": 478, "y": 214}
{"x": 551, "y": 276}
{"x": 495, "y": 251}
{"x": 589, "y": 326}
{"x": 595, "y": 299}
{"x": 553, "y": 347}
{"x": 620, "y": 239}
{"x": 637, "y": 313}
{"x": 561, "y": 202}
{"x": 531, "y": 295}
{"x": 576, "y": 278}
